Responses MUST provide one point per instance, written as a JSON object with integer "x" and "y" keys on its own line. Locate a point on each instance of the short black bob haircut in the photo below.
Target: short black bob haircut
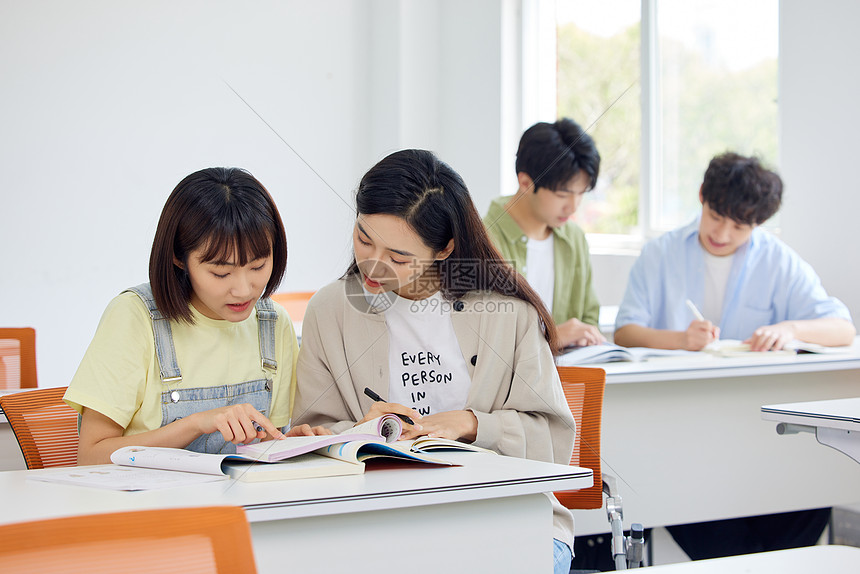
{"x": 741, "y": 189}
{"x": 225, "y": 212}
{"x": 552, "y": 154}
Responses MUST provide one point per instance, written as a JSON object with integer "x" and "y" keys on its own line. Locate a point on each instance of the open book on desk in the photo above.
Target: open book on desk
{"x": 386, "y": 428}
{"x": 737, "y": 348}
{"x": 146, "y": 468}
{"x": 361, "y": 451}
{"x": 377, "y": 438}
{"x": 608, "y": 353}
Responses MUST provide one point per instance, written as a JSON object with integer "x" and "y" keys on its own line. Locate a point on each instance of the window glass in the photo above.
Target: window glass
{"x": 716, "y": 90}
{"x": 598, "y": 87}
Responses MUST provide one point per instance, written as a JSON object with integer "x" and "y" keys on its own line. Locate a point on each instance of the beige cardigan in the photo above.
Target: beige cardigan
{"x": 515, "y": 393}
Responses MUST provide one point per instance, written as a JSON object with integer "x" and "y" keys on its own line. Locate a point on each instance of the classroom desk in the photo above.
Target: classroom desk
{"x": 817, "y": 559}
{"x": 835, "y": 423}
{"x": 687, "y": 443}
{"x": 422, "y": 519}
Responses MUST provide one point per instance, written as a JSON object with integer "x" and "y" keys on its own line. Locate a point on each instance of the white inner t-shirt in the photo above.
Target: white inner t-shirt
{"x": 717, "y": 271}
{"x": 427, "y": 369}
{"x": 540, "y": 267}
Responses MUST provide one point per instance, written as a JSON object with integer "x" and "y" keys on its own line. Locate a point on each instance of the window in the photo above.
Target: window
{"x": 664, "y": 86}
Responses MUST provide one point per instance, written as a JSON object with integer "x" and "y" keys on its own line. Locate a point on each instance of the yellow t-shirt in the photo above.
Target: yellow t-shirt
{"x": 119, "y": 374}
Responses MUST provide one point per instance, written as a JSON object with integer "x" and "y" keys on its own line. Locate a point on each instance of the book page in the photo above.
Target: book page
{"x": 113, "y": 477}
{"x": 804, "y": 347}
{"x": 361, "y": 451}
{"x": 274, "y": 450}
{"x": 609, "y": 353}
{"x": 737, "y": 348}
{"x": 388, "y": 426}
{"x": 603, "y": 353}
{"x": 428, "y": 444}
{"x": 168, "y": 459}
{"x": 648, "y": 353}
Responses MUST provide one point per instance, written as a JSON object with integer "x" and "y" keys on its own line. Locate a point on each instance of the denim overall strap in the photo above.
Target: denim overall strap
{"x": 267, "y": 318}
{"x": 164, "y": 350}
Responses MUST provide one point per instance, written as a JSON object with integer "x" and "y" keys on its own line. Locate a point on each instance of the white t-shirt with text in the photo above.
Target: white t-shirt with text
{"x": 427, "y": 369}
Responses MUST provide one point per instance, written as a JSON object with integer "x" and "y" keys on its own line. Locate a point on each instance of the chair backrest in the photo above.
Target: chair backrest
{"x": 583, "y": 389}
{"x": 199, "y": 540}
{"x": 45, "y": 426}
{"x": 295, "y": 302}
{"x": 18, "y": 358}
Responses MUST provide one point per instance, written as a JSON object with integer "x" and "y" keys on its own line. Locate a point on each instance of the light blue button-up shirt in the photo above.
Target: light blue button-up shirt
{"x": 768, "y": 283}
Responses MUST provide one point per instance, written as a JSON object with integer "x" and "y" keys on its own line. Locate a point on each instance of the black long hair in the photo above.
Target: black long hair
{"x": 432, "y": 198}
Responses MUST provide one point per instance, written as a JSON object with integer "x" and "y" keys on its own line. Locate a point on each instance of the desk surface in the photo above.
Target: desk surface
{"x": 482, "y": 476}
{"x": 706, "y": 365}
{"x": 818, "y": 559}
{"x": 700, "y": 423}
{"x": 836, "y": 413}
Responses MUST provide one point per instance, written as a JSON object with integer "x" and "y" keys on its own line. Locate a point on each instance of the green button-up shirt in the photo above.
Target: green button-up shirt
{"x": 573, "y": 295}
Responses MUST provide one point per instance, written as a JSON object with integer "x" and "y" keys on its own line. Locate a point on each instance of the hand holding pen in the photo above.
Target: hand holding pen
{"x": 394, "y": 408}
{"x": 701, "y": 332}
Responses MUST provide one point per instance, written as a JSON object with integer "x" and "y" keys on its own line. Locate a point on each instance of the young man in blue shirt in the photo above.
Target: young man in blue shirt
{"x": 747, "y": 283}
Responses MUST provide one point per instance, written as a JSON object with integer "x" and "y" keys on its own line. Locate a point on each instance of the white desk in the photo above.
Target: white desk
{"x": 686, "y": 441}
{"x": 329, "y": 524}
{"x": 809, "y": 560}
{"x": 835, "y": 423}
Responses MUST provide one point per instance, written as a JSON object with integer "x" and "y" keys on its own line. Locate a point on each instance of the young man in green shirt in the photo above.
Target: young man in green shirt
{"x": 556, "y": 165}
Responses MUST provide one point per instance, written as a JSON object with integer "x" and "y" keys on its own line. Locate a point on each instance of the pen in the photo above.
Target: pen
{"x": 257, "y": 426}
{"x": 695, "y": 310}
{"x": 369, "y": 392}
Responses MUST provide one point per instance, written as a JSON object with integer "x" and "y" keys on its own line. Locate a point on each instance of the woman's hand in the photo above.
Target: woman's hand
{"x": 454, "y": 425}
{"x": 238, "y": 424}
{"x": 379, "y": 408}
{"x": 307, "y": 430}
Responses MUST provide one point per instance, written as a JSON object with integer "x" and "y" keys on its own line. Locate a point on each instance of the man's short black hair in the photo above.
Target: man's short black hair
{"x": 552, "y": 154}
{"x": 741, "y": 189}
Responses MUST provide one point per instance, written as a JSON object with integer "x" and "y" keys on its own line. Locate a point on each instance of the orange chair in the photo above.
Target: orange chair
{"x": 45, "y": 426}
{"x": 583, "y": 389}
{"x": 295, "y": 302}
{"x": 201, "y": 540}
{"x": 18, "y": 358}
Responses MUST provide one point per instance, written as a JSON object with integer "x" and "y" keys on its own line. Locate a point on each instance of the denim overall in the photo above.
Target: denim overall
{"x": 177, "y": 403}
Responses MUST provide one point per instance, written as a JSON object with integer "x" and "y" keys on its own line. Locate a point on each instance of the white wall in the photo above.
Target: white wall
{"x": 820, "y": 123}
{"x": 106, "y": 105}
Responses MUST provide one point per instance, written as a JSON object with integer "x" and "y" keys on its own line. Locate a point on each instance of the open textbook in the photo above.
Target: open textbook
{"x": 737, "y": 348}
{"x": 608, "y": 353}
{"x": 145, "y": 468}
